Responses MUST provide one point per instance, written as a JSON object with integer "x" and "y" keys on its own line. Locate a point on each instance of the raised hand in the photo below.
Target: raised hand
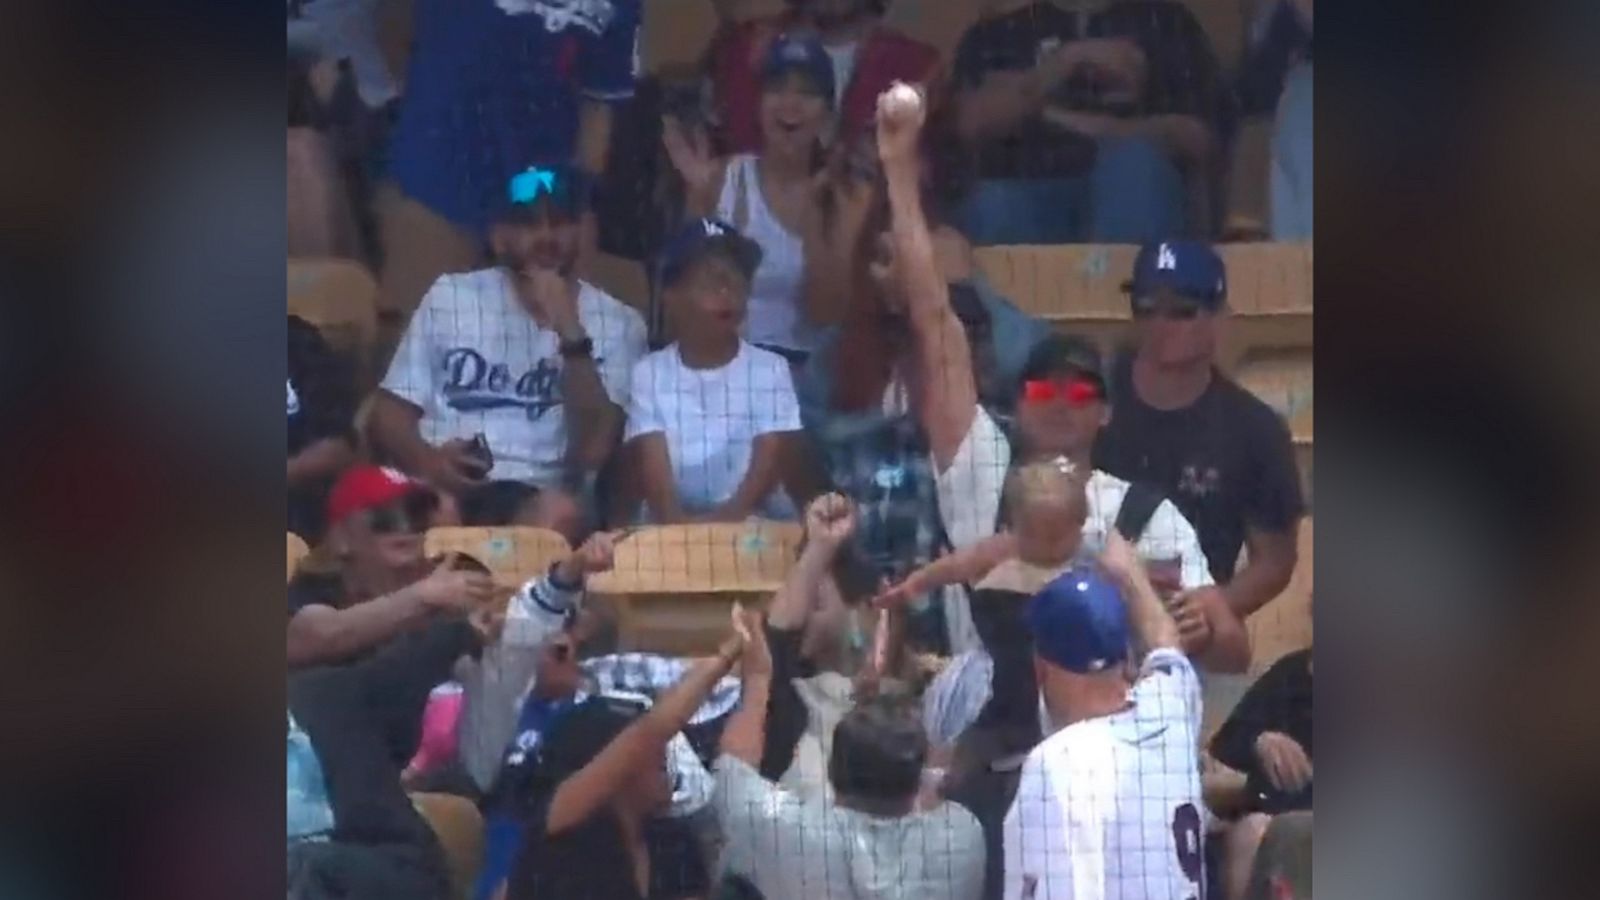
{"x": 902, "y": 110}
{"x": 891, "y": 596}
{"x": 757, "y": 659}
{"x": 595, "y": 555}
{"x": 690, "y": 152}
{"x": 739, "y": 636}
{"x": 830, "y": 520}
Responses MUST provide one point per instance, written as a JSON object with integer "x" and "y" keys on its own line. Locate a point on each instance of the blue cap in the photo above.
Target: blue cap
{"x": 560, "y": 183}
{"x": 804, "y": 54}
{"x": 1079, "y": 622}
{"x": 1190, "y": 268}
{"x": 700, "y": 237}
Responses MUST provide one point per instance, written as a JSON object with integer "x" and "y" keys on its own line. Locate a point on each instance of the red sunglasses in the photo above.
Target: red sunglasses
{"x": 1075, "y": 391}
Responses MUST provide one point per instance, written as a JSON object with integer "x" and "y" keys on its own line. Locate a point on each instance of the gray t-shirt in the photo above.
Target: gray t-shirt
{"x": 796, "y": 849}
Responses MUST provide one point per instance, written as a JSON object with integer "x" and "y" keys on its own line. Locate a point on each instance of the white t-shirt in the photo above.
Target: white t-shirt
{"x": 474, "y": 360}
{"x": 1109, "y": 808}
{"x": 794, "y": 848}
{"x": 711, "y": 419}
{"x": 969, "y": 503}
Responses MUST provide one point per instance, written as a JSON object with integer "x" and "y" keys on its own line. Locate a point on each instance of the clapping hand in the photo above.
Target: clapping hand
{"x": 1283, "y": 761}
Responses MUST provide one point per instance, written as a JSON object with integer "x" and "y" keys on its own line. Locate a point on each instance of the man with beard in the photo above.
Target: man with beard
{"x": 508, "y": 388}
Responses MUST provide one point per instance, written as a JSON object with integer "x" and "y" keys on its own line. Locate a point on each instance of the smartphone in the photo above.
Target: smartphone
{"x": 481, "y": 455}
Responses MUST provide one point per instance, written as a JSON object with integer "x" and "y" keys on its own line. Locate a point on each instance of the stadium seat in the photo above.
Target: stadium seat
{"x": 1226, "y": 25}
{"x": 672, "y": 585}
{"x": 514, "y": 554}
{"x": 459, "y": 827}
{"x": 297, "y": 551}
{"x": 1246, "y": 216}
{"x": 1284, "y": 624}
{"x": 339, "y": 297}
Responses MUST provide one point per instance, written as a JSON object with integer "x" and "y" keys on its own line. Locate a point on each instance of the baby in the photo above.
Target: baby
{"x": 1047, "y": 508}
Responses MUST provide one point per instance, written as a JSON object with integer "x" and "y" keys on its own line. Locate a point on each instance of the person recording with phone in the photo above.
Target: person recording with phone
{"x": 508, "y": 387}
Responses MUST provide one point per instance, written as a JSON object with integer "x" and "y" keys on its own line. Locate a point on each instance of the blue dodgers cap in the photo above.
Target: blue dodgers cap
{"x": 563, "y": 185}
{"x": 701, "y": 237}
{"x": 1079, "y": 622}
{"x": 1189, "y": 268}
{"x": 800, "y": 53}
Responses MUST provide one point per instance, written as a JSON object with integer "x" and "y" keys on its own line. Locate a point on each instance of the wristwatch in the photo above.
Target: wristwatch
{"x": 583, "y": 346}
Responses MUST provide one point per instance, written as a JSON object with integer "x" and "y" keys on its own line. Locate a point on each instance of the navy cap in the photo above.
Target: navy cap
{"x": 701, "y": 237}
{"x": 800, "y": 53}
{"x": 1064, "y": 354}
{"x": 562, "y": 184}
{"x": 1079, "y": 622}
{"x": 1189, "y": 268}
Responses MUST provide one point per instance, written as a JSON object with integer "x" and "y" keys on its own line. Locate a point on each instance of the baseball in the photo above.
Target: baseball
{"x": 900, "y": 100}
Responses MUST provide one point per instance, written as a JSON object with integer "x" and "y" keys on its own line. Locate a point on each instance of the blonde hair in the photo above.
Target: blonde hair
{"x": 1053, "y": 483}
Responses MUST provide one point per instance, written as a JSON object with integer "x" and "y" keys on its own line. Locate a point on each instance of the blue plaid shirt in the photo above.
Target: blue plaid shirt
{"x": 494, "y": 86}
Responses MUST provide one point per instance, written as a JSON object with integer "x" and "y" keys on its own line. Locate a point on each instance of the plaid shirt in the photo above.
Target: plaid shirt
{"x": 649, "y": 675}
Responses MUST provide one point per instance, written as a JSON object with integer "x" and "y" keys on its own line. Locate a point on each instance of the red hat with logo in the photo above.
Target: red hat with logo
{"x": 369, "y": 487}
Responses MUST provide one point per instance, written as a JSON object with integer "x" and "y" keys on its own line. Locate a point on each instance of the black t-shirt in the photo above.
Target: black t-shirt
{"x": 588, "y": 862}
{"x": 1226, "y": 461}
{"x": 1182, "y": 77}
{"x": 315, "y": 590}
{"x": 999, "y": 616}
{"x": 321, "y": 390}
{"x": 1280, "y": 701}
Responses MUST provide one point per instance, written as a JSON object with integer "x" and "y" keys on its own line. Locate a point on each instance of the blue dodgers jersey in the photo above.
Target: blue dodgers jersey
{"x": 494, "y": 86}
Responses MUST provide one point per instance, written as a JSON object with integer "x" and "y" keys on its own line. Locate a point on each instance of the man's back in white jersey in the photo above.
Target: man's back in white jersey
{"x": 1109, "y": 808}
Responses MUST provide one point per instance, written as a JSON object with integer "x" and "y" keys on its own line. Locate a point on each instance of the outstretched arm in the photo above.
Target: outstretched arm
{"x": 947, "y": 394}
{"x": 963, "y": 566}
{"x": 643, "y": 742}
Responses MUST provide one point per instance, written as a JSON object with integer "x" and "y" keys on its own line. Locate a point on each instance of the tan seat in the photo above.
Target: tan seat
{"x": 1284, "y": 624}
{"x": 339, "y": 297}
{"x": 515, "y": 555}
{"x": 460, "y": 829}
{"x": 672, "y": 585}
{"x": 297, "y": 552}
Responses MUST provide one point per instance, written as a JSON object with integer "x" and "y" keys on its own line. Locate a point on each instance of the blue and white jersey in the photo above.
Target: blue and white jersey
{"x": 494, "y": 86}
{"x": 473, "y": 360}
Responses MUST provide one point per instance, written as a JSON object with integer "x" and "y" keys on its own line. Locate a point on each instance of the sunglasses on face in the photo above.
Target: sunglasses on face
{"x": 1180, "y": 312}
{"x": 1074, "y": 391}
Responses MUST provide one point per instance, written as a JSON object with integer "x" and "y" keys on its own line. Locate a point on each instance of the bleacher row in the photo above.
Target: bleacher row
{"x": 1078, "y": 288}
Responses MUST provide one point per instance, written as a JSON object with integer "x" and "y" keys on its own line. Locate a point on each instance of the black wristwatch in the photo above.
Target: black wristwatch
{"x": 583, "y": 346}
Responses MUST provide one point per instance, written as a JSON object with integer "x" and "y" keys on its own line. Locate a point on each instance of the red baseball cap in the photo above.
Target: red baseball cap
{"x": 369, "y": 487}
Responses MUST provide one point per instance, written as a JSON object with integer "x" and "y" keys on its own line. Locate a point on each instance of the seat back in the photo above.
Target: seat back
{"x": 339, "y": 297}
{"x": 672, "y": 586}
{"x": 460, "y": 829}
{"x": 514, "y": 554}
{"x": 297, "y": 552}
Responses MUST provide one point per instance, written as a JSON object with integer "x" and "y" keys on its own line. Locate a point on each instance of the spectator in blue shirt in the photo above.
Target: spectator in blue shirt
{"x": 491, "y": 86}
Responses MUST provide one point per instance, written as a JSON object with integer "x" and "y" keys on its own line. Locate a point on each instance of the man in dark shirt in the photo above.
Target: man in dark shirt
{"x": 1088, "y": 124}
{"x": 384, "y": 587}
{"x": 321, "y": 434}
{"x": 1222, "y": 455}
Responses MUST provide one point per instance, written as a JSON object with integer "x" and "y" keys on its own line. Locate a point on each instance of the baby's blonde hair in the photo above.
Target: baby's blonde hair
{"x": 1053, "y": 483}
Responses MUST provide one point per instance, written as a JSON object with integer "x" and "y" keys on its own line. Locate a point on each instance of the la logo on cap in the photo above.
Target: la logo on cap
{"x": 713, "y": 229}
{"x": 1166, "y": 260}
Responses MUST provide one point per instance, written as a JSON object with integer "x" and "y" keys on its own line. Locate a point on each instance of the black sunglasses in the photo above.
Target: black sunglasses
{"x": 1182, "y": 312}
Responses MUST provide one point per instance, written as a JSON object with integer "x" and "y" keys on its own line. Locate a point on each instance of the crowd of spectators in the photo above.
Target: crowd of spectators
{"x": 1025, "y": 557}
